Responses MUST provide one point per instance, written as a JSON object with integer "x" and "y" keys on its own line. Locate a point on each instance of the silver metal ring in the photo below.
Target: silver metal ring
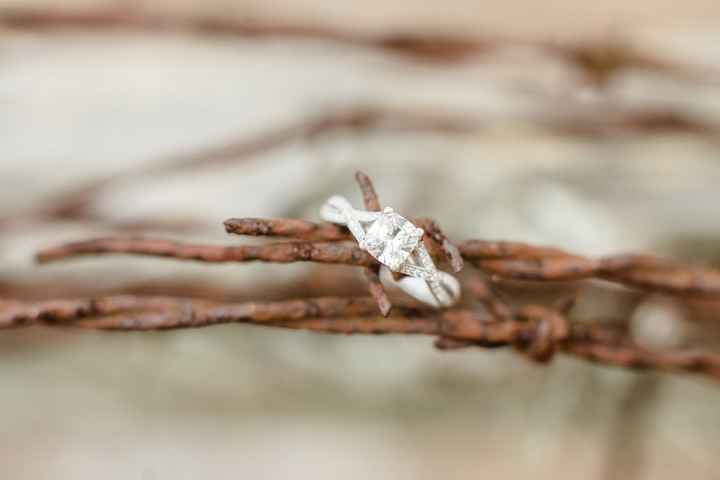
{"x": 397, "y": 244}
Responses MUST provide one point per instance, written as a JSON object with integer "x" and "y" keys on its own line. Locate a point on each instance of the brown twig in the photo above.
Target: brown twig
{"x": 438, "y": 241}
{"x": 370, "y": 196}
{"x": 503, "y": 259}
{"x": 480, "y": 290}
{"x": 641, "y": 359}
{"x": 377, "y": 290}
{"x": 281, "y": 252}
{"x": 537, "y": 331}
{"x": 498, "y": 310}
{"x": 176, "y": 312}
{"x": 286, "y": 227}
{"x": 372, "y": 273}
{"x": 292, "y": 228}
{"x": 524, "y": 262}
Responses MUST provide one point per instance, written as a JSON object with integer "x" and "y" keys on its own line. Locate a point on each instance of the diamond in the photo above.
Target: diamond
{"x": 391, "y": 239}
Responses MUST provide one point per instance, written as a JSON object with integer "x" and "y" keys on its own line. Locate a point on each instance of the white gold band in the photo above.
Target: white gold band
{"x": 421, "y": 289}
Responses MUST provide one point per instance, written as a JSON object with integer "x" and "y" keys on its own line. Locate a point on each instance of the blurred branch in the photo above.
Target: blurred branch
{"x": 598, "y": 62}
{"x": 77, "y": 204}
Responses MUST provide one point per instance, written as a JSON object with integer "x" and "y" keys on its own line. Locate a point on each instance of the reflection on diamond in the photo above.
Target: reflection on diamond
{"x": 391, "y": 239}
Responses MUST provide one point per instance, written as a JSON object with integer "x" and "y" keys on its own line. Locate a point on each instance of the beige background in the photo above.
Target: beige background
{"x": 237, "y": 401}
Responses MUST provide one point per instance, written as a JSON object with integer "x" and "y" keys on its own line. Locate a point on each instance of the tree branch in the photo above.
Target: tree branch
{"x": 535, "y": 330}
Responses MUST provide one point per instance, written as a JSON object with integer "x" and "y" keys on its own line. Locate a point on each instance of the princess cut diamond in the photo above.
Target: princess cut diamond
{"x": 391, "y": 239}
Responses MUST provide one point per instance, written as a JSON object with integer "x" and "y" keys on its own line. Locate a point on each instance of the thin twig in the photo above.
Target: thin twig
{"x": 640, "y": 359}
{"x": 537, "y": 331}
{"x": 438, "y": 240}
{"x": 377, "y": 290}
{"x": 303, "y": 229}
{"x": 281, "y": 252}
{"x": 372, "y": 273}
{"x": 480, "y": 290}
{"x": 503, "y": 259}
{"x": 370, "y": 196}
{"x": 286, "y": 227}
{"x": 178, "y": 312}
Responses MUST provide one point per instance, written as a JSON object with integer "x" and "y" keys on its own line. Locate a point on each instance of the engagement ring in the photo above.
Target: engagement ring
{"x": 397, "y": 244}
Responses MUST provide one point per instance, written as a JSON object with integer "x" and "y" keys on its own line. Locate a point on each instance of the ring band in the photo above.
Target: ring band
{"x": 397, "y": 244}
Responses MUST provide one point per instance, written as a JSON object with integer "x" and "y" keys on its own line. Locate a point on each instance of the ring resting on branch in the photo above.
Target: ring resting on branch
{"x": 536, "y": 330}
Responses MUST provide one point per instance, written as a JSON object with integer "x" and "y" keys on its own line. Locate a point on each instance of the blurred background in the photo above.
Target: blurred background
{"x": 588, "y": 125}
